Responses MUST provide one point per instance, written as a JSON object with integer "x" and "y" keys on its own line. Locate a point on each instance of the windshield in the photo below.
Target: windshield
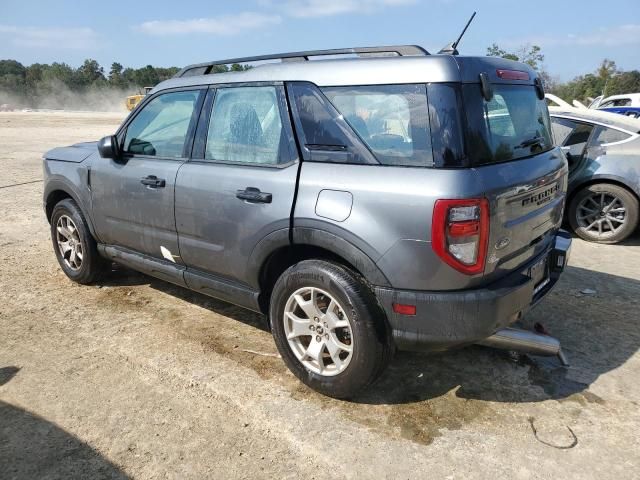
{"x": 514, "y": 124}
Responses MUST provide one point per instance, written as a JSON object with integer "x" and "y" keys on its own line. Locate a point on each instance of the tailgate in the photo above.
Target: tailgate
{"x": 526, "y": 202}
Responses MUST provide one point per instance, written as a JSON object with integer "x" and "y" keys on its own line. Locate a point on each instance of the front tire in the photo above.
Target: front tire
{"x": 603, "y": 213}
{"x": 329, "y": 328}
{"x": 74, "y": 245}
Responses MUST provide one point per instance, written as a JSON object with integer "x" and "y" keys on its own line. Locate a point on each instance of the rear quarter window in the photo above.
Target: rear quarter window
{"x": 392, "y": 120}
{"x": 604, "y": 135}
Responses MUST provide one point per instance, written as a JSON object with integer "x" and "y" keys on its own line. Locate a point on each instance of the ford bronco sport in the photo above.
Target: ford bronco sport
{"x": 395, "y": 200}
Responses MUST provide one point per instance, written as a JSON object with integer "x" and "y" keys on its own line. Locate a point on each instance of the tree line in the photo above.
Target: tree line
{"x": 27, "y": 86}
{"x": 606, "y": 80}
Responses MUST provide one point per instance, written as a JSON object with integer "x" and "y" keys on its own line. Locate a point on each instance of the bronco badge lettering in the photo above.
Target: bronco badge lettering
{"x": 542, "y": 197}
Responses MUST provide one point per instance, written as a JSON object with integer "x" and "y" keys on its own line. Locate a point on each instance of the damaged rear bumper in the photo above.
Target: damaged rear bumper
{"x": 445, "y": 320}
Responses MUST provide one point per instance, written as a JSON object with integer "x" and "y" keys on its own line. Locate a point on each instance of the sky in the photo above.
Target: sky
{"x": 574, "y": 35}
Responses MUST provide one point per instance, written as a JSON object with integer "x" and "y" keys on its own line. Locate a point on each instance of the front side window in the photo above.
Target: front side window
{"x": 573, "y": 137}
{"x": 246, "y": 127}
{"x": 392, "y": 120}
{"x": 513, "y": 124}
{"x": 160, "y": 128}
{"x": 561, "y": 129}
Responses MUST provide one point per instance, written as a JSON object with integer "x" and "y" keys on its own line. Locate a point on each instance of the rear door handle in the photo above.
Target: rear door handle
{"x": 254, "y": 195}
{"x": 153, "y": 182}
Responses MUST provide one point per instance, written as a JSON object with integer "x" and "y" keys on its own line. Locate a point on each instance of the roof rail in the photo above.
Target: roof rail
{"x": 395, "y": 50}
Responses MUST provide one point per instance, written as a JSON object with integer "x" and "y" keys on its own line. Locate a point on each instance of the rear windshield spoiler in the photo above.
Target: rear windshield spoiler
{"x": 472, "y": 67}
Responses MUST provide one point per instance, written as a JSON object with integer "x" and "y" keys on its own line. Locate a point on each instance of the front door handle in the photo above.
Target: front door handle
{"x": 153, "y": 182}
{"x": 254, "y": 195}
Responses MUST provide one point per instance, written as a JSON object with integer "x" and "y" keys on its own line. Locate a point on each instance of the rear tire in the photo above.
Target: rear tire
{"x": 597, "y": 208}
{"x": 75, "y": 247}
{"x": 329, "y": 328}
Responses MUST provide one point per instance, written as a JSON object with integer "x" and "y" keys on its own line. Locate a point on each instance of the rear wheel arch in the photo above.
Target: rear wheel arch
{"x": 323, "y": 246}
{"x": 284, "y": 257}
{"x": 600, "y": 180}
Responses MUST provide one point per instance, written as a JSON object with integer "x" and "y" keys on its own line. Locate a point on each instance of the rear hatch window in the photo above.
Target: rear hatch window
{"x": 514, "y": 124}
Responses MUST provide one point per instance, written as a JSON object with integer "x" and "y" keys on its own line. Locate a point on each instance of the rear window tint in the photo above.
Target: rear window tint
{"x": 513, "y": 124}
{"x": 392, "y": 120}
{"x": 608, "y": 135}
{"x": 561, "y": 129}
{"x": 445, "y": 113}
{"x": 325, "y": 136}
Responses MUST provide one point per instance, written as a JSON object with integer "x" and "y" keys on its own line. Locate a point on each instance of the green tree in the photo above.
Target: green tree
{"x": 623, "y": 82}
{"x": 12, "y": 67}
{"x": 89, "y": 72}
{"x": 530, "y": 54}
{"x": 115, "y": 74}
{"x": 495, "y": 51}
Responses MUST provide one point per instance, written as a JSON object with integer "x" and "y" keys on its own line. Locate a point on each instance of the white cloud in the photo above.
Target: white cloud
{"x": 607, "y": 37}
{"x": 50, "y": 37}
{"x": 236, "y": 24}
{"x": 326, "y": 8}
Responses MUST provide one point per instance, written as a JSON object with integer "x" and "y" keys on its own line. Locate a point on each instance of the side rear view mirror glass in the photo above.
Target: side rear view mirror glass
{"x": 108, "y": 147}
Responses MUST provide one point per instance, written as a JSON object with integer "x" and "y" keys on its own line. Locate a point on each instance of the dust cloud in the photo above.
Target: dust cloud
{"x": 57, "y": 96}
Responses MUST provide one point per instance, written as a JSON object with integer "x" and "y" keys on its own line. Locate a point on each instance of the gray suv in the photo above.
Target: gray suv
{"x": 389, "y": 200}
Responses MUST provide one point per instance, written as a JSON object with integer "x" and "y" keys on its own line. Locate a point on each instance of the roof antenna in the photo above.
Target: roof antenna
{"x": 452, "y": 48}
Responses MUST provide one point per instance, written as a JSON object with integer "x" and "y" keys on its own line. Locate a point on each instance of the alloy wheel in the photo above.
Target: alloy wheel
{"x": 318, "y": 331}
{"x": 601, "y": 214}
{"x": 69, "y": 243}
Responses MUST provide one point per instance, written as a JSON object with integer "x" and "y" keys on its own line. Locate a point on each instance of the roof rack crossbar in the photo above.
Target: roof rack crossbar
{"x": 399, "y": 50}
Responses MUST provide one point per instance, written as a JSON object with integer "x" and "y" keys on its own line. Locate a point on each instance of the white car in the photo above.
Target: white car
{"x": 625, "y": 100}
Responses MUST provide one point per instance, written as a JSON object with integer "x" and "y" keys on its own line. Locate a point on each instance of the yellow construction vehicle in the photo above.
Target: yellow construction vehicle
{"x": 133, "y": 100}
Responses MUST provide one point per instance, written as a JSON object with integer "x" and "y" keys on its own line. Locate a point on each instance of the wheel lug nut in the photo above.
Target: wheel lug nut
{"x": 326, "y": 335}
{"x": 318, "y": 338}
{"x": 311, "y": 327}
{"x": 326, "y": 325}
{"x": 315, "y": 319}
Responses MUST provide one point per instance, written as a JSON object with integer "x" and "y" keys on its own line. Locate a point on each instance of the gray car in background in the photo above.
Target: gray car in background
{"x": 396, "y": 200}
{"x": 603, "y": 150}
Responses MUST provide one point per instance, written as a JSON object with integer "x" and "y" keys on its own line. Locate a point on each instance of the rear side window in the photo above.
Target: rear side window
{"x": 392, "y": 120}
{"x": 618, "y": 102}
{"x": 160, "y": 128}
{"x": 246, "y": 127}
{"x": 608, "y": 135}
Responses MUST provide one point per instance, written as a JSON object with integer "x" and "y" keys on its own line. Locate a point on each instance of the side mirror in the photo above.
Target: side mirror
{"x": 485, "y": 85}
{"x": 108, "y": 147}
{"x": 539, "y": 88}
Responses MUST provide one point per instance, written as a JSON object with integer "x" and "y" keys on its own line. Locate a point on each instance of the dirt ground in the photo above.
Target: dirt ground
{"x": 137, "y": 378}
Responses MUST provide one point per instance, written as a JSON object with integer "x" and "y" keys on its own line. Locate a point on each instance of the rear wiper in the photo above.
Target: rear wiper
{"x": 531, "y": 142}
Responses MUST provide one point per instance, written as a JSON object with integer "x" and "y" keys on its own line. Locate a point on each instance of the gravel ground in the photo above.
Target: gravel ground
{"x": 137, "y": 378}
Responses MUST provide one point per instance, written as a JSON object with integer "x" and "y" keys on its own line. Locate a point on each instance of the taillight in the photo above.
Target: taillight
{"x": 460, "y": 233}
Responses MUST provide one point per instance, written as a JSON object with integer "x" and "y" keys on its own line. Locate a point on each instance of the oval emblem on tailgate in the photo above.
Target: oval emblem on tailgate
{"x": 502, "y": 243}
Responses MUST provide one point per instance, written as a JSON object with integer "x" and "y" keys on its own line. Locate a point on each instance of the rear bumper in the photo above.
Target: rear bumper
{"x": 445, "y": 320}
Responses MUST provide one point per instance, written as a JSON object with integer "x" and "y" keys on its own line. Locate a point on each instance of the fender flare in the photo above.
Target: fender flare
{"x": 317, "y": 238}
{"x": 59, "y": 184}
{"x": 345, "y": 249}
